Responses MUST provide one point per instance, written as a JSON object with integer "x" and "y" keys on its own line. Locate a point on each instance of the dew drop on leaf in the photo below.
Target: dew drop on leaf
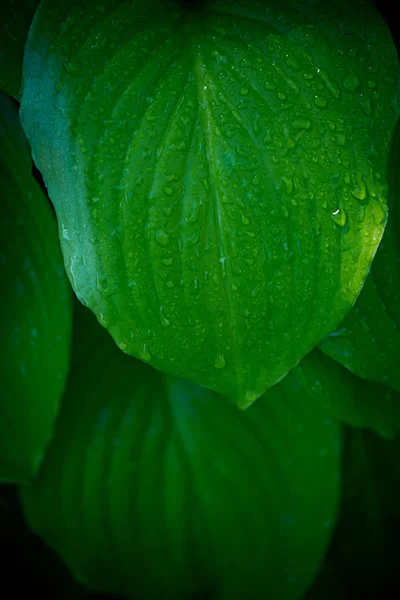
{"x": 219, "y": 362}
{"x": 339, "y": 216}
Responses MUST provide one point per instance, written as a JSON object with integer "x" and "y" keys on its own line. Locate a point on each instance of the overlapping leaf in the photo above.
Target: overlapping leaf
{"x": 35, "y": 308}
{"x": 154, "y": 487}
{"x": 320, "y": 381}
{"x": 218, "y": 170}
{"x": 368, "y": 340}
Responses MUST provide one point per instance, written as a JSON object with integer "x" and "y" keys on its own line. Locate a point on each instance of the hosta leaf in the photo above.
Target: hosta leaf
{"x": 35, "y": 308}
{"x": 218, "y": 171}
{"x": 368, "y": 340}
{"x": 15, "y": 19}
{"x": 323, "y": 382}
{"x": 365, "y": 548}
{"x": 156, "y": 487}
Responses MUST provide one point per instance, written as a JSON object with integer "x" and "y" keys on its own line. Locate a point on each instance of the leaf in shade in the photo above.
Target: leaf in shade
{"x": 322, "y": 382}
{"x": 155, "y": 487}
{"x": 35, "y": 308}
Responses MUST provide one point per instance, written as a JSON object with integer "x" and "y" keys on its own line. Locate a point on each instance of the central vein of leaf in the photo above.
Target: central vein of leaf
{"x": 207, "y": 122}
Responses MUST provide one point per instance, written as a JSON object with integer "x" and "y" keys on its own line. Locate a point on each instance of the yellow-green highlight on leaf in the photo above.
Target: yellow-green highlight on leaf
{"x": 367, "y": 341}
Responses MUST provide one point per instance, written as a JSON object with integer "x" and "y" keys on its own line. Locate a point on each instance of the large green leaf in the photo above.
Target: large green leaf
{"x": 15, "y": 19}
{"x": 35, "y": 308}
{"x": 218, "y": 170}
{"x": 156, "y": 487}
{"x": 368, "y": 340}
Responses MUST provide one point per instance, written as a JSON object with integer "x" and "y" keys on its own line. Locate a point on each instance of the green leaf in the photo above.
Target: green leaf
{"x": 365, "y": 548}
{"x": 35, "y": 308}
{"x": 216, "y": 169}
{"x": 156, "y": 487}
{"x": 324, "y": 383}
{"x": 368, "y": 340}
{"x": 15, "y": 19}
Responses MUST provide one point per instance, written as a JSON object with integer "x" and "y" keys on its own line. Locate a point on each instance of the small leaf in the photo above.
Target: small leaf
{"x": 156, "y": 488}
{"x": 15, "y": 19}
{"x": 216, "y": 168}
{"x": 35, "y": 308}
{"x": 368, "y": 340}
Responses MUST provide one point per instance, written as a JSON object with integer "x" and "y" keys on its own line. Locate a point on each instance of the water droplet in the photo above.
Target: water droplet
{"x": 270, "y": 87}
{"x": 281, "y": 96}
{"x": 103, "y": 320}
{"x": 301, "y": 124}
{"x": 288, "y": 183}
{"x": 245, "y": 220}
{"x": 163, "y": 318}
{"x": 169, "y": 191}
{"x": 167, "y": 210}
{"x": 162, "y": 238}
{"x": 251, "y": 234}
{"x": 371, "y": 84}
{"x": 365, "y": 326}
{"x": 339, "y": 216}
{"x": 170, "y": 284}
{"x": 244, "y": 91}
{"x": 379, "y": 212}
{"x": 320, "y": 102}
{"x": 360, "y": 192}
{"x": 389, "y": 80}
{"x": 167, "y": 261}
{"x": 255, "y": 180}
{"x": 145, "y": 354}
{"x": 219, "y": 362}
{"x": 351, "y": 82}
{"x": 123, "y": 346}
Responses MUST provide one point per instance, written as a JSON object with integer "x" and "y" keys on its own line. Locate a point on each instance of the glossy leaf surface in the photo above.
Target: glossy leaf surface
{"x": 35, "y": 308}
{"x": 154, "y": 487}
{"x": 218, "y": 170}
{"x": 368, "y": 340}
